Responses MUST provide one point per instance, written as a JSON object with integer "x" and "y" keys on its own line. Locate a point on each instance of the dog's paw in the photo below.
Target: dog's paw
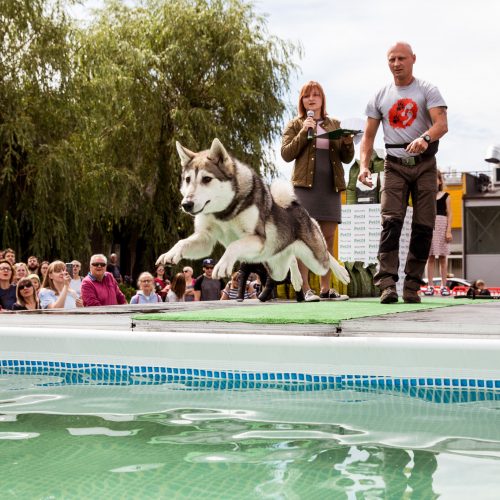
{"x": 295, "y": 276}
{"x": 173, "y": 256}
{"x": 343, "y": 275}
{"x": 222, "y": 269}
{"x": 297, "y": 283}
{"x": 340, "y": 272}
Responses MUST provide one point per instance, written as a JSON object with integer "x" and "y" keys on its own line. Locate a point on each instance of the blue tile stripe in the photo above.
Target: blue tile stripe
{"x": 435, "y": 389}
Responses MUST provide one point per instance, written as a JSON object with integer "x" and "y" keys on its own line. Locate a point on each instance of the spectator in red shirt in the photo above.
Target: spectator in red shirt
{"x": 99, "y": 288}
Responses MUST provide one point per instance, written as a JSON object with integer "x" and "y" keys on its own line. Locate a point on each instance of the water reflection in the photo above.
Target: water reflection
{"x": 160, "y": 440}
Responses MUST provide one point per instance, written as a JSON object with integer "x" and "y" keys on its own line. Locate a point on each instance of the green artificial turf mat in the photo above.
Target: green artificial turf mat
{"x": 327, "y": 312}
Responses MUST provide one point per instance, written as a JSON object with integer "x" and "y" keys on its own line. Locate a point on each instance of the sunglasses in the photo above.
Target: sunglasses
{"x": 26, "y": 285}
{"x": 98, "y": 264}
{"x": 209, "y": 267}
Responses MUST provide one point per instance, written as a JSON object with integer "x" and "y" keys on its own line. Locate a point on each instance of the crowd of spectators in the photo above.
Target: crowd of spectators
{"x": 40, "y": 284}
{"x": 57, "y": 285}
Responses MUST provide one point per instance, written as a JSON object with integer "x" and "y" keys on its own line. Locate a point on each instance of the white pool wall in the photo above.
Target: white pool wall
{"x": 396, "y": 357}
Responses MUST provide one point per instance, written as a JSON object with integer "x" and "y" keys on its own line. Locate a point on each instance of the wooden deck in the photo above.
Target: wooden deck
{"x": 481, "y": 320}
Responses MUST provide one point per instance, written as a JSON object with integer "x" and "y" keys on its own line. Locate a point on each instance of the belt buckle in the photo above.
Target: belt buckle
{"x": 408, "y": 162}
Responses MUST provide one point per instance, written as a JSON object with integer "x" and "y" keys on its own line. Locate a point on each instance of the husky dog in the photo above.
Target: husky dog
{"x": 255, "y": 223}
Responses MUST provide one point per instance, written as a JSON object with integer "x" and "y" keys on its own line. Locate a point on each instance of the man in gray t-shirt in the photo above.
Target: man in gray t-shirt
{"x": 413, "y": 116}
{"x": 206, "y": 287}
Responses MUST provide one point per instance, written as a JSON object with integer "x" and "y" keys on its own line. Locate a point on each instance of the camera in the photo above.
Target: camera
{"x": 69, "y": 268}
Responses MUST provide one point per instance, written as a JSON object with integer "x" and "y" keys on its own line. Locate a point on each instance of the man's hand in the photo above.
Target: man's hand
{"x": 365, "y": 176}
{"x": 418, "y": 146}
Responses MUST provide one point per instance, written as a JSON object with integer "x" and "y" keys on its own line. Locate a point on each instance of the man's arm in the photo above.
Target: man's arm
{"x": 197, "y": 288}
{"x": 366, "y": 150}
{"x": 439, "y": 117}
{"x": 439, "y": 127}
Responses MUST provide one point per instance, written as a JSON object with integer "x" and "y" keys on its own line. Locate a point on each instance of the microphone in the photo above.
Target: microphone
{"x": 310, "y": 131}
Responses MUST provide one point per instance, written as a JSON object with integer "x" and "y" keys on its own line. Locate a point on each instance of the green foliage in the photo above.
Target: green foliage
{"x": 128, "y": 291}
{"x": 34, "y": 71}
{"x": 89, "y": 117}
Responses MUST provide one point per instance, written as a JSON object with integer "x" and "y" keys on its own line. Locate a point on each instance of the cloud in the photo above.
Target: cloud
{"x": 456, "y": 43}
{"x": 345, "y": 44}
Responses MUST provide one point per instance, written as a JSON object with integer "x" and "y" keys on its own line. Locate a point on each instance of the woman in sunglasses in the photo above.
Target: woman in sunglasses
{"x": 27, "y": 299}
{"x": 162, "y": 283}
{"x": 190, "y": 281}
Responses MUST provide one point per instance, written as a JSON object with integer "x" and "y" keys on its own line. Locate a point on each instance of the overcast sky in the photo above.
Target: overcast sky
{"x": 457, "y": 44}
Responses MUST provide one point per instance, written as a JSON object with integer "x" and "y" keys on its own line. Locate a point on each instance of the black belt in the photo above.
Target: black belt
{"x": 409, "y": 161}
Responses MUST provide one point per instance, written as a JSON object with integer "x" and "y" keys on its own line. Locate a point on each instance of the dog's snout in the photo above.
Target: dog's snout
{"x": 187, "y": 206}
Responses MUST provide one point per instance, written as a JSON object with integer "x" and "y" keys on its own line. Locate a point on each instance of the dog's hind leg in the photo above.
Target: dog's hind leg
{"x": 267, "y": 291}
{"x": 279, "y": 265}
{"x": 295, "y": 276}
{"x": 318, "y": 264}
{"x": 340, "y": 272}
{"x": 243, "y": 274}
{"x": 296, "y": 279}
{"x": 306, "y": 255}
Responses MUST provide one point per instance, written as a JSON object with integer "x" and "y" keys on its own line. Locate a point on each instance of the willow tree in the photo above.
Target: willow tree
{"x": 34, "y": 122}
{"x": 187, "y": 70}
{"x": 142, "y": 78}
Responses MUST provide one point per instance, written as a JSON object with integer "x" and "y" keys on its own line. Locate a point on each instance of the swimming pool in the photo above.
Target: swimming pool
{"x": 160, "y": 414}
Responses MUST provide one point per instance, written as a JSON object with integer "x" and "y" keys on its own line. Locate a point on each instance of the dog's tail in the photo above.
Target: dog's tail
{"x": 339, "y": 271}
{"x": 282, "y": 193}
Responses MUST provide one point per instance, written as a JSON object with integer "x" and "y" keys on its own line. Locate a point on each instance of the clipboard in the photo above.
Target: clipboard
{"x": 338, "y": 133}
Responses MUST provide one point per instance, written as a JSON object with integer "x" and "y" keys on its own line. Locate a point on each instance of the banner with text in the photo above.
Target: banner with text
{"x": 359, "y": 236}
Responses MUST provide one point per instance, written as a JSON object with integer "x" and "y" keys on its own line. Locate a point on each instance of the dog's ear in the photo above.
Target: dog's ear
{"x": 218, "y": 154}
{"x": 185, "y": 155}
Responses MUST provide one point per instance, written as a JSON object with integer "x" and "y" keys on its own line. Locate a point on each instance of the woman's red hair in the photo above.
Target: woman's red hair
{"x": 305, "y": 91}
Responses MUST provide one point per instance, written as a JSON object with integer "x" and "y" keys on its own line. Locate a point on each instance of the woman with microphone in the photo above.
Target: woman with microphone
{"x": 318, "y": 174}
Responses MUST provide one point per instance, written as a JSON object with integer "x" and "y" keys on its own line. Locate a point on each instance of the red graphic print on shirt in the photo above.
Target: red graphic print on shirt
{"x": 403, "y": 113}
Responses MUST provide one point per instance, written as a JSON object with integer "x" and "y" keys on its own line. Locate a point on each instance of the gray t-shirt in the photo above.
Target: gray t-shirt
{"x": 210, "y": 288}
{"x": 404, "y": 112}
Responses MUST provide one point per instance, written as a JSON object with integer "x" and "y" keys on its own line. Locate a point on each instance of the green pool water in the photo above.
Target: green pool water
{"x": 170, "y": 441}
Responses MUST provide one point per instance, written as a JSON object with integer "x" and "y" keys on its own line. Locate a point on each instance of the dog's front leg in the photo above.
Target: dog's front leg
{"x": 197, "y": 246}
{"x": 245, "y": 249}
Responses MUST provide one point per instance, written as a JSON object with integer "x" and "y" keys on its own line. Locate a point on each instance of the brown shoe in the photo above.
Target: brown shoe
{"x": 411, "y": 296}
{"x": 389, "y": 295}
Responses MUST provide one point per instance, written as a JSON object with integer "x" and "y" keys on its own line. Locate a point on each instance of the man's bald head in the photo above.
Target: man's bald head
{"x": 401, "y": 60}
{"x": 401, "y": 46}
